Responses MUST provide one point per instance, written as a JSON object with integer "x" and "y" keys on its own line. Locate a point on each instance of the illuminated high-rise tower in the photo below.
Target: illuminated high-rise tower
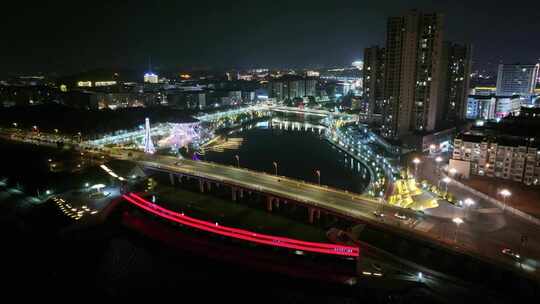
{"x": 413, "y": 66}
{"x": 148, "y": 144}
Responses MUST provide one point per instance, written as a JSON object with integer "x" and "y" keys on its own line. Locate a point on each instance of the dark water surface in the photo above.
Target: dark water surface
{"x": 298, "y": 155}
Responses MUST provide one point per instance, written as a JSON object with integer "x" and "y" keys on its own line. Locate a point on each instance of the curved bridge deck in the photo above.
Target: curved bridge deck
{"x": 340, "y": 202}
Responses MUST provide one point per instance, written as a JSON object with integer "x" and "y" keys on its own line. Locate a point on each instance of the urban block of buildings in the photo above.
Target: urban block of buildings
{"x": 417, "y": 83}
{"x": 512, "y": 155}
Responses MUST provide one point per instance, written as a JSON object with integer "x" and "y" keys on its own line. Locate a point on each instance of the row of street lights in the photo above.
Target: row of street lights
{"x": 35, "y": 128}
{"x": 275, "y": 164}
{"x": 468, "y": 202}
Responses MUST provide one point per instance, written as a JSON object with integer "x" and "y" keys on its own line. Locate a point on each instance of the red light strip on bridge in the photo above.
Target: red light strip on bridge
{"x": 246, "y": 235}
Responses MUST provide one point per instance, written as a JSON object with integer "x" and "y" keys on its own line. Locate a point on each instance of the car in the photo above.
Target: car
{"x": 378, "y": 213}
{"x": 510, "y": 253}
{"x": 400, "y": 216}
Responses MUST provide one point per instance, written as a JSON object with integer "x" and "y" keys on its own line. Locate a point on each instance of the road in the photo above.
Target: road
{"x": 486, "y": 228}
{"x": 436, "y": 226}
{"x": 342, "y": 202}
{"x": 485, "y": 232}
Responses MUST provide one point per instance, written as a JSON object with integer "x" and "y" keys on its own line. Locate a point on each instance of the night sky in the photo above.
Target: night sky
{"x": 68, "y": 36}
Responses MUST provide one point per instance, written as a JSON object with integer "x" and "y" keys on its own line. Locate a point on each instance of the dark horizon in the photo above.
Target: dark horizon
{"x": 64, "y": 38}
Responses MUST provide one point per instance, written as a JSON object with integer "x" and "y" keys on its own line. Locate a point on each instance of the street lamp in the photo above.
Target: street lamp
{"x": 468, "y": 203}
{"x": 458, "y": 221}
{"x": 438, "y": 160}
{"x": 318, "y": 172}
{"x": 275, "y": 167}
{"x": 416, "y": 162}
{"x": 446, "y": 180}
{"x": 505, "y": 193}
{"x": 237, "y": 160}
{"x": 14, "y": 124}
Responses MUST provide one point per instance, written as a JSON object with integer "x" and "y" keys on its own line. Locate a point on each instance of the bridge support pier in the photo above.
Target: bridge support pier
{"x": 209, "y": 185}
{"x": 201, "y": 185}
{"x": 313, "y": 214}
{"x": 269, "y": 202}
{"x": 180, "y": 178}
{"x": 241, "y": 192}
{"x": 233, "y": 194}
{"x": 171, "y": 177}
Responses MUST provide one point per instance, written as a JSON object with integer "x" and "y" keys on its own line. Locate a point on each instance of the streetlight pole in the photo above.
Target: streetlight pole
{"x": 446, "y": 181}
{"x": 505, "y": 193}
{"x": 438, "y": 160}
{"x": 237, "y": 160}
{"x": 522, "y": 243}
{"x": 275, "y": 167}
{"x": 458, "y": 221}
{"x": 468, "y": 203}
{"x": 416, "y": 162}
{"x": 318, "y": 172}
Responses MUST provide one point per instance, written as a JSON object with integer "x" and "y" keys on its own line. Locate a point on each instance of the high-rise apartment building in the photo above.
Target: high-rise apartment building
{"x": 289, "y": 87}
{"x": 413, "y": 71}
{"x": 373, "y": 80}
{"x": 517, "y": 79}
{"x": 456, "y": 78}
{"x": 311, "y": 86}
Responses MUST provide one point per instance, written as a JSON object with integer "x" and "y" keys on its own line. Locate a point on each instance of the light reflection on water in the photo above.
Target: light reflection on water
{"x": 298, "y": 154}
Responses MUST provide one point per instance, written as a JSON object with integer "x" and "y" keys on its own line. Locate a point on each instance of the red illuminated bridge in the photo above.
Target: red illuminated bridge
{"x": 245, "y": 235}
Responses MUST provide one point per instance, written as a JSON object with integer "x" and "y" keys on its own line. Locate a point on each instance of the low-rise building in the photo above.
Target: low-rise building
{"x": 506, "y": 157}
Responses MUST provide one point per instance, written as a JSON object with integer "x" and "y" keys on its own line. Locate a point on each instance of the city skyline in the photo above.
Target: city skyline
{"x": 289, "y": 152}
{"x": 216, "y": 35}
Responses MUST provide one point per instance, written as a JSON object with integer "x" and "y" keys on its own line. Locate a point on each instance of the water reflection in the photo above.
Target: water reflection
{"x": 297, "y": 144}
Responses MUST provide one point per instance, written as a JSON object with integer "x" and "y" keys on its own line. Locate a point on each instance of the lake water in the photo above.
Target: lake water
{"x": 298, "y": 154}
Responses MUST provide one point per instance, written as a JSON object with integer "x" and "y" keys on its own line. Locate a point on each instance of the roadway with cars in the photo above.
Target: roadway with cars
{"x": 468, "y": 237}
{"x": 487, "y": 235}
{"x": 484, "y": 223}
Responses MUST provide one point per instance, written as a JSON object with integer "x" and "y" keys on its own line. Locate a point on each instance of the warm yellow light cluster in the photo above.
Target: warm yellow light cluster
{"x": 406, "y": 194}
{"x": 73, "y": 212}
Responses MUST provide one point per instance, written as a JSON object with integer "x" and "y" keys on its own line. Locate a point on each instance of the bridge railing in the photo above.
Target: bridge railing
{"x": 294, "y": 180}
{"x": 259, "y": 238}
